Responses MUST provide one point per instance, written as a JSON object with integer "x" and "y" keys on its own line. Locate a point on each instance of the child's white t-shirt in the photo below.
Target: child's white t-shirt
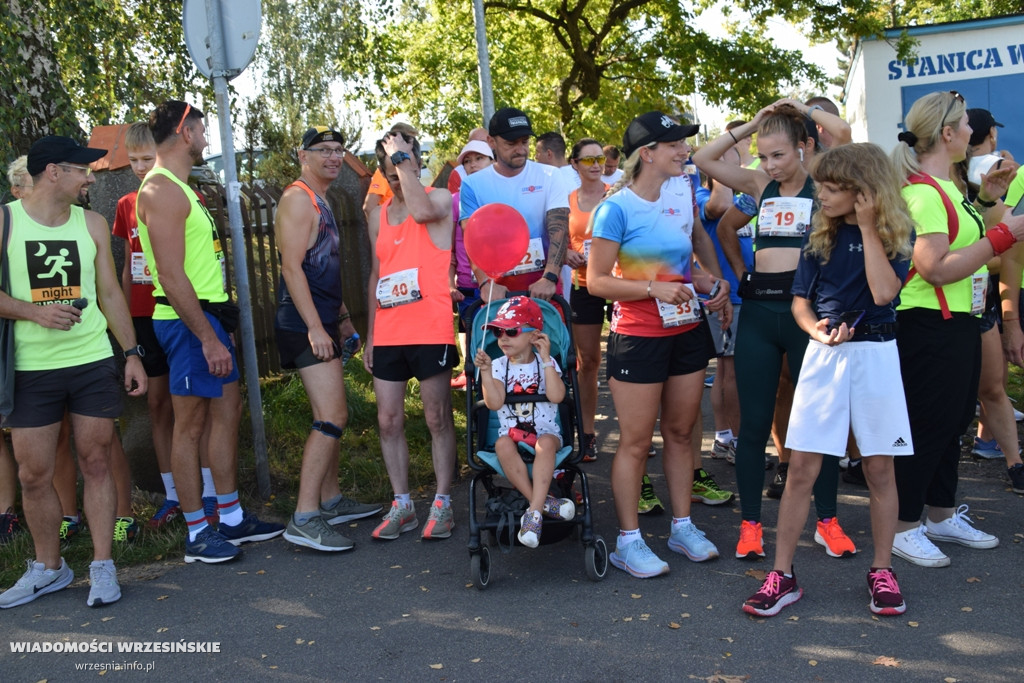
{"x": 528, "y": 378}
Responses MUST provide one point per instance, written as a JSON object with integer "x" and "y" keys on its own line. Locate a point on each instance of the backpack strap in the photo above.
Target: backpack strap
{"x": 308, "y": 190}
{"x": 952, "y": 225}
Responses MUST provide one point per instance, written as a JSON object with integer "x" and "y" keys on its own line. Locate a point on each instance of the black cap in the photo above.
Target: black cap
{"x": 509, "y": 123}
{"x": 654, "y": 127}
{"x": 321, "y": 134}
{"x": 57, "y": 149}
{"x": 981, "y": 122}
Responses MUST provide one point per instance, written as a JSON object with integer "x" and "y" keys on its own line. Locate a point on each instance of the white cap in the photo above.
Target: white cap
{"x": 981, "y": 164}
{"x": 478, "y": 146}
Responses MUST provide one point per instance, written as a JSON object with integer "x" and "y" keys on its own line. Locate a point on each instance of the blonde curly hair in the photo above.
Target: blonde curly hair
{"x": 862, "y": 167}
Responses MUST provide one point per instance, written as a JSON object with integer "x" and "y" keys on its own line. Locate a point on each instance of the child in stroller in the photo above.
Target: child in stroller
{"x": 526, "y": 367}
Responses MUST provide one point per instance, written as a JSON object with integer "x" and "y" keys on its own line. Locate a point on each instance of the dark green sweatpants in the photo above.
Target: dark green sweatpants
{"x": 766, "y": 331}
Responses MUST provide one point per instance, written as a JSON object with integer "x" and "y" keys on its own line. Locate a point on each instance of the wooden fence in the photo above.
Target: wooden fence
{"x": 259, "y": 206}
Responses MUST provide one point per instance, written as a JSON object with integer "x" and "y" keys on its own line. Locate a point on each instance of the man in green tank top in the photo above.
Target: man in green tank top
{"x": 64, "y": 296}
{"x": 193, "y": 327}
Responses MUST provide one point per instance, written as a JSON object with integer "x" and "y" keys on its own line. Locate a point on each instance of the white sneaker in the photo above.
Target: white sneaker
{"x": 957, "y": 529}
{"x": 914, "y": 547}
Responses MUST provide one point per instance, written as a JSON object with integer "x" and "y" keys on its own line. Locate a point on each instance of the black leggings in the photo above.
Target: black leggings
{"x": 940, "y": 361}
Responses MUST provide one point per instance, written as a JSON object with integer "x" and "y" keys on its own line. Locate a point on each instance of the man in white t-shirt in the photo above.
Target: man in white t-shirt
{"x": 536, "y": 191}
{"x": 612, "y": 172}
{"x": 551, "y": 152}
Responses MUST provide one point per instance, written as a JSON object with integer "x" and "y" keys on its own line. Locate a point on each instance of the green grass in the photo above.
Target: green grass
{"x": 287, "y": 416}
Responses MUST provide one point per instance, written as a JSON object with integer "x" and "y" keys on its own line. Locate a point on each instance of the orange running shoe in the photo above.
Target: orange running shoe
{"x": 750, "y": 546}
{"x": 835, "y": 540}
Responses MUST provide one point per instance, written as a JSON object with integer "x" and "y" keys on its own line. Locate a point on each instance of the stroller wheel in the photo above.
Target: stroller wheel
{"x": 480, "y": 567}
{"x": 595, "y": 559}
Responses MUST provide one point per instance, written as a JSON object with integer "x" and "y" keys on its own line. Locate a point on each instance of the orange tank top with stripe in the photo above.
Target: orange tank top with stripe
{"x": 414, "y": 304}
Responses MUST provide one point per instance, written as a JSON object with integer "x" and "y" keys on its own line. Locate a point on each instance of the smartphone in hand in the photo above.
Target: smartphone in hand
{"x": 851, "y": 318}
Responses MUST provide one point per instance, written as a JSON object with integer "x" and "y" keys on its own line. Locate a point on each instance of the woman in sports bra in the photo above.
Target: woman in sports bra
{"x": 767, "y": 330}
{"x": 939, "y": 334}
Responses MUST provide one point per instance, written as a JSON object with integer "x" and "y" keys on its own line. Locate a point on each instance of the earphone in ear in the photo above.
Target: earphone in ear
{"x": 801, "y": 154}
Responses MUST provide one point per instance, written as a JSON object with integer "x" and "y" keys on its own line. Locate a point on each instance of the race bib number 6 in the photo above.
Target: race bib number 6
{"x": 140, "y": 269}
{"x": 674, "y": 315}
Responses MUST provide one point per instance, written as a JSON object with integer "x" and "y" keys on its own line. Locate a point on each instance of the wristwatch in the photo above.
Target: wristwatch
{"x": 551, "y": 277}
{"x": 135, "y": 351}
{"x": 399, "y": 157}
{"x": 810, "y": 110}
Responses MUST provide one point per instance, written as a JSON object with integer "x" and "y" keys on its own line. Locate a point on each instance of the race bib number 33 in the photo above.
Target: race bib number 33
{"x": 674, "y": 315}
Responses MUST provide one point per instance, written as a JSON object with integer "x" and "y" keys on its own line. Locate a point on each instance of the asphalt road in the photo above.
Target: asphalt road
{"x": 407, "y": 610}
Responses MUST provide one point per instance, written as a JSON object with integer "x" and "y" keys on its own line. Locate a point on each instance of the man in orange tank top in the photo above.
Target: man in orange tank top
{"x": 411, "y": 332}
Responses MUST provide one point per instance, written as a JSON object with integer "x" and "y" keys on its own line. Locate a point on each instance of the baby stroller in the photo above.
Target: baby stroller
{"x": 504, "y": 507}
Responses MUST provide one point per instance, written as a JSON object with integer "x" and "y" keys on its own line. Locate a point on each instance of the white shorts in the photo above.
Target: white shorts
{"x": 725, "y": 341}
{"x": 856, "y": 383}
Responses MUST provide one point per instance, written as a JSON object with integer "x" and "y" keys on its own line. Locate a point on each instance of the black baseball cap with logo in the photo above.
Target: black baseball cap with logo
{"x": 654, "y": 127}
{"x": 509, "y": 123}
{"x": 57, "y": 149}
{"x": 981, "y": 122}
{"x": 321, "y": 134}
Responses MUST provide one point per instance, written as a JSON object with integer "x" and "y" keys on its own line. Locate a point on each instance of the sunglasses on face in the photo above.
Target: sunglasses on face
{"x": 511, "y": 333}
{"x": 590, "y": 161}
{"x": 957, "y": 97}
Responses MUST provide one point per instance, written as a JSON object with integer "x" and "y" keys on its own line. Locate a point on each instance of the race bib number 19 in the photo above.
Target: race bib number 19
{"x": 784, "y": 217}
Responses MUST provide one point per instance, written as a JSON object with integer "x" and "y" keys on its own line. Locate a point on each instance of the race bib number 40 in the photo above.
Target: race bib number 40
{"x": 398, "y": 288}
{"x": 784, "y": 217}
{"x": 674, "y": 315}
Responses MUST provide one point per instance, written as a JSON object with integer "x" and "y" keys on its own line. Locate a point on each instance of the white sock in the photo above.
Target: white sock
{"x": 169, "y": 488}
{"x": 209, "y": 490}
{"x": 724, "y": 437}
{"x": 679, "y": 521}
{"x": 404, "y": 499}
{"x": 445, "y": 500}
{"x": 627, "y": 537}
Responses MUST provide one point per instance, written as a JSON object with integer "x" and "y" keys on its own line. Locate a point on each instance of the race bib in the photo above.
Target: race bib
{"x": 586, "y": 250}
{"x": 533, "y": 261}
{"x": 979, "y": 292}
{"x": 399, "y": 288}
{"x": 674, "y": 315}
{"x": 784, "y": 217}
{"x": 140, "y": 269}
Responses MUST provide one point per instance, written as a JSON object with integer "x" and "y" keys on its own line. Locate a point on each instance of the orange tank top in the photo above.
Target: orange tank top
{"x": 579, "y": 237}
{"x": 414, "y": 305}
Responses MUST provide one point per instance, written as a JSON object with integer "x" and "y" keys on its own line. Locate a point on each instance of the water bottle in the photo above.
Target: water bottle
{"x": 350, "y": 346}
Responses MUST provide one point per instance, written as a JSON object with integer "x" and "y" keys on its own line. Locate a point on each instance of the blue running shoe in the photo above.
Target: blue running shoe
{"x": 639, "y": 560}
{"x": 209, "y": 547}
{"x": 167, "y": 512}
{"x": 688, "y": 540}
{"x": 210, "y": 510}
{"x": 987, "y": 450}
{"x": 250, "y": 529}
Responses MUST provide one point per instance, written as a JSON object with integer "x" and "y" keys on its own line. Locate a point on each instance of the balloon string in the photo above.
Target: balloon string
{"x": 487, "y": 317}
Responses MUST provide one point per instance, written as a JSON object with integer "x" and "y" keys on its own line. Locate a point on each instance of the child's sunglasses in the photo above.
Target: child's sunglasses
{"x": 511, "y": 333}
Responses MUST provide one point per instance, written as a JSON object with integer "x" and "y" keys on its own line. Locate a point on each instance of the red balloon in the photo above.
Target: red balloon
{"x": 496, "y": 238}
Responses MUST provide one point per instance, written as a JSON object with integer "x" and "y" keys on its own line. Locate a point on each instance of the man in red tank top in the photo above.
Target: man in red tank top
{"x": 411, "y": 332}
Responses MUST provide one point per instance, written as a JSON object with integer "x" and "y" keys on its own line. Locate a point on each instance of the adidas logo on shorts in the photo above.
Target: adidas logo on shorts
{"x": 899, "y": 443}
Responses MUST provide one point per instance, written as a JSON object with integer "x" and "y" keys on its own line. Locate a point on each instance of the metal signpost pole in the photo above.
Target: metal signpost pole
{"x": 484, "y": 62}
{"x": 247, "y": 339}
